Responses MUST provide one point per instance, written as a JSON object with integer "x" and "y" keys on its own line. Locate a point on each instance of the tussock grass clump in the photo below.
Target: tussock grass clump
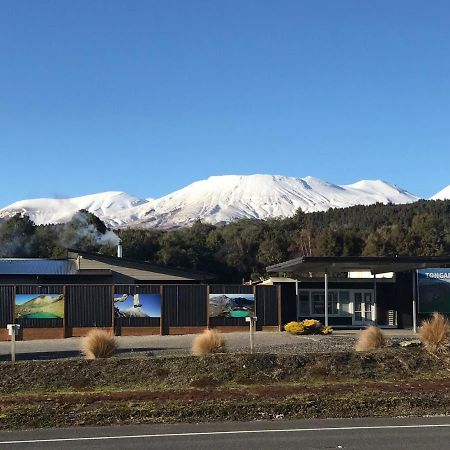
{"x": 371, "y": 338}
{"x": 435, "y": 333}
{"x": 210, "y": 341}
{"x": 98, "y": 344}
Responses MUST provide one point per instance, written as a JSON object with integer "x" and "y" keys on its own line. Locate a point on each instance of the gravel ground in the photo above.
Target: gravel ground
{"x": 265, "y": 342}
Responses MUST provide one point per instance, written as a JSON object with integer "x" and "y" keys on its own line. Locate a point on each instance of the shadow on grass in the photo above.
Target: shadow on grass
{"x": 144, "y": 351}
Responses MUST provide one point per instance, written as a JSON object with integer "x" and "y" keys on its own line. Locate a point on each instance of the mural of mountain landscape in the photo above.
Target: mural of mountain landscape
{"x": 231, "y": 305}
{"x": 38, "y": 306}
{"x": 138, "y": 305}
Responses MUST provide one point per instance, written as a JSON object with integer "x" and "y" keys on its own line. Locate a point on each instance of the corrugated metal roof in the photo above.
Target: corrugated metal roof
{"x": 17, "y": 266}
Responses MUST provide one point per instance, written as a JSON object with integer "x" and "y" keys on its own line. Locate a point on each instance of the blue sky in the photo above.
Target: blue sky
{"x": 148, "y": 96}
{"x": 151, "y": 303}
{"x": 23, "y": 298}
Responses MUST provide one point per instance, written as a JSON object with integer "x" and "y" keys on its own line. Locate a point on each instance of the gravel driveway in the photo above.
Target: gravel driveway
{"x": 272, "y": 342}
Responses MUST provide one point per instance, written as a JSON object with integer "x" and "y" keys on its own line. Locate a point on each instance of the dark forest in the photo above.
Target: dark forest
{"x": 243, "y": 249}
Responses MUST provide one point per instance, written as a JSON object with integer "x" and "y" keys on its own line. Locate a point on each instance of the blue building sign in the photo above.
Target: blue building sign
{"x": 434, "y": 290}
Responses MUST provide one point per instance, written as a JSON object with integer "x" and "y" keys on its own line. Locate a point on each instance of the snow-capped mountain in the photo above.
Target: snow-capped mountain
{"x": 218, "y": 199}
{"x": 231, "y": 197}
{"x": 442, "y": 195}
{"x": 104, "y": 205}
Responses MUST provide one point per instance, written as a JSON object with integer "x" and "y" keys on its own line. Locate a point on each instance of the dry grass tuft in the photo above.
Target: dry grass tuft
{"x": 435, "y": 333}
{"x": 370, "y": 339}
{"x": 98, "y": 344}
{"x": 210, "y": 341}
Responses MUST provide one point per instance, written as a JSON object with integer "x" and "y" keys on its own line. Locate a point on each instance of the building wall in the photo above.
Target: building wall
{"x": 184, "y": 309}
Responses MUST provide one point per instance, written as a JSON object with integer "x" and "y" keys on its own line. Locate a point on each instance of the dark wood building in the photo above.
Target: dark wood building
{"x": 354, "y": 291}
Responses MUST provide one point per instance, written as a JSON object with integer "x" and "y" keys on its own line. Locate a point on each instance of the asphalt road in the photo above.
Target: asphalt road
{"x": 358, "y": 434}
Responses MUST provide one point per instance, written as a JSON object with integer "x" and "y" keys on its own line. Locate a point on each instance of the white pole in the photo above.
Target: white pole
{"x": 296, "y": 298}
{"x": 326, "y": 299}
{"x": 251, "y": 335}
{"x": 375, "y": 299}
{"x": 13, "y": 345}
{"x": 414, "y": 308}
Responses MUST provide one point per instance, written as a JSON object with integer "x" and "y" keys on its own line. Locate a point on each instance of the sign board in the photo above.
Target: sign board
{"x": 434, "y": 290}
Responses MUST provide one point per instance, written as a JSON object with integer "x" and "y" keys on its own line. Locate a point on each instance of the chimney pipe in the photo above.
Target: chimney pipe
{"x": 119, "y": 249}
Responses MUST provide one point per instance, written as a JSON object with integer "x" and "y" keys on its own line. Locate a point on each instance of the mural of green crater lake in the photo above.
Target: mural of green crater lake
{"x": 39, "y": 306}
{"x": 231, "y": 305}
{"x": 239, "y": 313}
{"x": 42, "y": 316}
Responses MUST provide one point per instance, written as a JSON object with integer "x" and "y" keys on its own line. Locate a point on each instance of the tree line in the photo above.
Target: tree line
{"x": 243, "y": 249}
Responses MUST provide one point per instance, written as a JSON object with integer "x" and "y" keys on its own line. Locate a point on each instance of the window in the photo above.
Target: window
{"x": 303, "y": 303}
{"x": 340, "y": 302}
{"x": 333, "y": 303}
{"x": 344, "y": 302}
{"x": 318, "y": 303}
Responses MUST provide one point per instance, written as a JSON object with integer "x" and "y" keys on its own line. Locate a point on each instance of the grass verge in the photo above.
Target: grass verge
{"x": 388, "y": 382}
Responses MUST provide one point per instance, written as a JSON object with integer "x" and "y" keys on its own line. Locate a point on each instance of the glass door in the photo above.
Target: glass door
{"x": 363, "y": 308}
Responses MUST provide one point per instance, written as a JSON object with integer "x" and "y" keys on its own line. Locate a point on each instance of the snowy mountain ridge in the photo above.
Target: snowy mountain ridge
{"x": 218, "y": 199}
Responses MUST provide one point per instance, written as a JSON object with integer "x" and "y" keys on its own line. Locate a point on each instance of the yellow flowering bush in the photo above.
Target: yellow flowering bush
{"x": 307, "y": 326}
{"x": 295, "y": 328}
{"x": 311, "y": 324}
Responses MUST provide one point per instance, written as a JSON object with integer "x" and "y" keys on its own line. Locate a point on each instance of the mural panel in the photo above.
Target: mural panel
{"x": 231, "y": 305}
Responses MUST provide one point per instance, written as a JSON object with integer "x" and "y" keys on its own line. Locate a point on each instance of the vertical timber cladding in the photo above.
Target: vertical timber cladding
{"x": 224, "y": 322}
{"x": 7, "y": 298}
{"x": 137, "y": 307}
{"x": 89, "y": 306}
{"x": 184, "y": 308}
{"x": 267, "y": 306}
{"x": 41, "y": 322}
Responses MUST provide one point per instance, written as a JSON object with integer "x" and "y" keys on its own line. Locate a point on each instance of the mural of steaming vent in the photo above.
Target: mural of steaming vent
{"x": 137, "y": 305}
{"x": 231, "y": 305}
{"x": 39, "y": 306}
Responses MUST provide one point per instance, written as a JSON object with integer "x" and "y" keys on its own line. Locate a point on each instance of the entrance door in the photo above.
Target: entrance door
{"x": 363, "y": 308}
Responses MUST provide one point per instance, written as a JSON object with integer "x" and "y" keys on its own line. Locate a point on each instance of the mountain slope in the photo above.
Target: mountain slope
{"x": 218, "y": 199}
{"x": 442, "y": 195}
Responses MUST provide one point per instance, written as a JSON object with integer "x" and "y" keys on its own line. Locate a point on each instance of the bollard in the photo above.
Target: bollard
{"x": 13, "y": 330}
{"x": 252, "y": 322}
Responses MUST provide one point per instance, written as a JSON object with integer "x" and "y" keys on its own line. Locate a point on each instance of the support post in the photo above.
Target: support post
{"x": 208, "y": 290}
{"x": 251, "y": 336}
{"x": 280, "y": 321}
{"x": 326, "y": 299}
{"x": 162, "y": 319}
{"x": 297, "y": 303}
{"x": 13, "y": 346}
{"x": 414, "y": 304}
{"x": 375, "y": 299}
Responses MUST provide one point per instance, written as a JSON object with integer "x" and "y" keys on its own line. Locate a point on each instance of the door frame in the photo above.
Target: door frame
{"x": 364, "y": 321}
